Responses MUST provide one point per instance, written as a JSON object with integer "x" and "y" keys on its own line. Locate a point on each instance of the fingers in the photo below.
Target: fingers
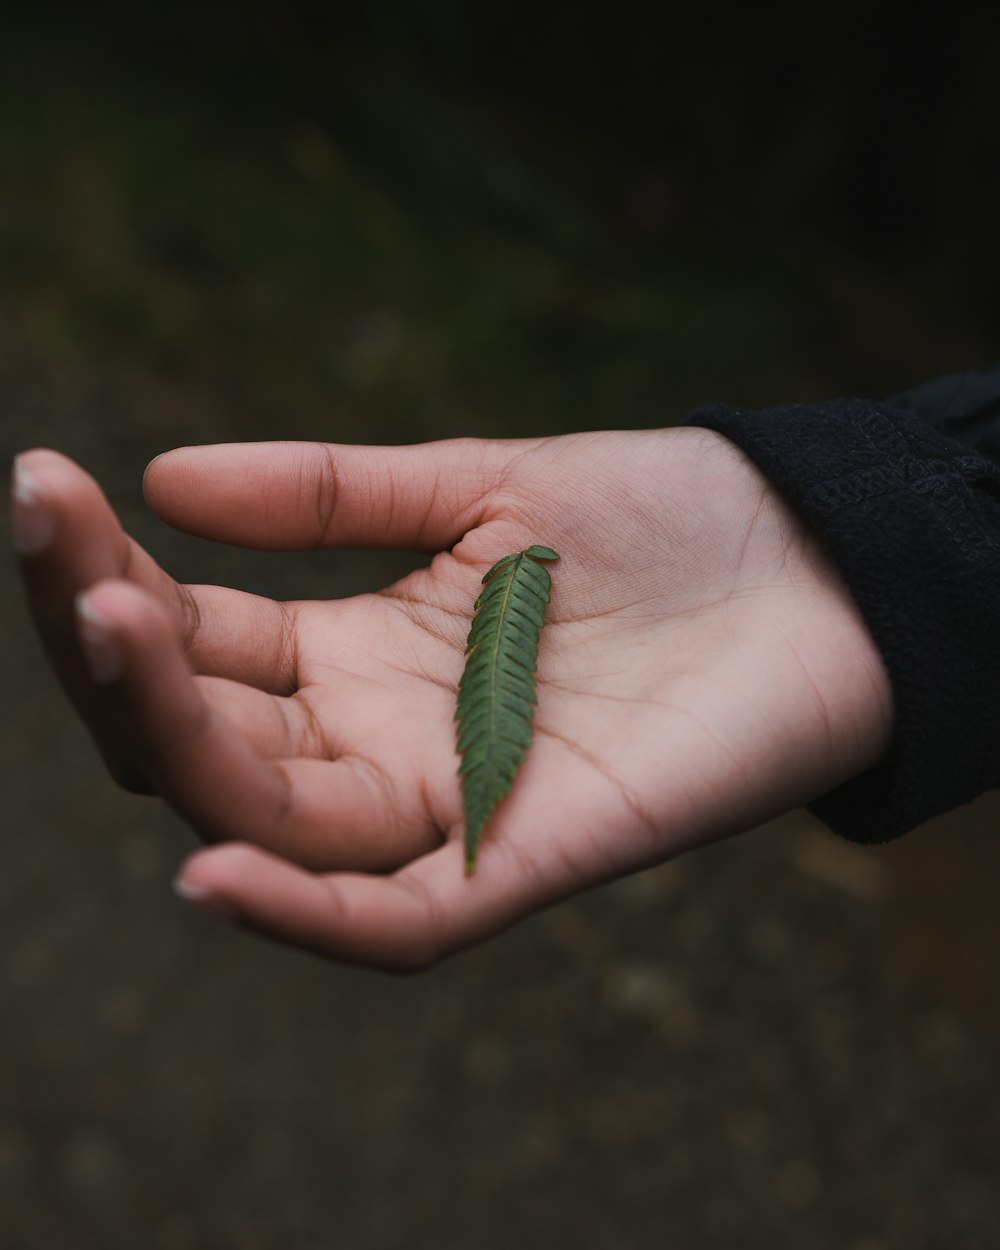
{"x": 400, "y": 923}
{"x": 295, "y": 496}
{"x": 209, "y": 748}
{"x": 84, "y": 542}
{"x": 225, "y": 632}
{"x": 193, "y": 756}
{"x": 68, "y": 538}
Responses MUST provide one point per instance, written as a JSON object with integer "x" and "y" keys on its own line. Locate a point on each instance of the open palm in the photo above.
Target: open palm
{"x": 702, "y": 668}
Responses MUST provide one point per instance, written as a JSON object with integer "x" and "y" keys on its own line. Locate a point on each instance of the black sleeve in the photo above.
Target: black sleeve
{"x": 905, "y": 496}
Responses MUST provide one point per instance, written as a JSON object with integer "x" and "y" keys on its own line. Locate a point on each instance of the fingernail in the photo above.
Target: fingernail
{"x": 32, "y": 520}
{"x": 205, "y": 900}
{"x": 101, "y": 650}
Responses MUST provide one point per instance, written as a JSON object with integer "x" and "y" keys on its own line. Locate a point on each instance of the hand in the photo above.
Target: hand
{"x": 703, "y": 668}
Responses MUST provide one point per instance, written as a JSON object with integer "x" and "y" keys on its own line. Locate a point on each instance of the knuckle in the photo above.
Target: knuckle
{"x": 325, "y": 488}
{"x": 191, "y": 621}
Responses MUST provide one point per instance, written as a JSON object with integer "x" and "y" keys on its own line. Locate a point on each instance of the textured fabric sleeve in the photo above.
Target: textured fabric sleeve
{"x": 910, "y": 514}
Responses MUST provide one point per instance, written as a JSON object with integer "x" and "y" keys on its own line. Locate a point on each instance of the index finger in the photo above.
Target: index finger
{"x": 286, "y": 496}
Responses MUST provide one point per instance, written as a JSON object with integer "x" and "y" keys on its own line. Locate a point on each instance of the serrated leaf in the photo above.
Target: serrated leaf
{"x": 496, "y": 696}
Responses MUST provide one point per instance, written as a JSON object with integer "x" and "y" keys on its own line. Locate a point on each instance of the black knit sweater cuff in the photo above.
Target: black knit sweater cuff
{"x": 911, "y": 517}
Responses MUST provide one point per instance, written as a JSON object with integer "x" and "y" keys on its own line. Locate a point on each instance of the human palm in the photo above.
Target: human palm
{"x": 702, "y": 668}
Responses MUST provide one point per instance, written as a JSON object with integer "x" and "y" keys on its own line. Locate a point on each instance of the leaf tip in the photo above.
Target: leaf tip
{"x": 541, "y": 553}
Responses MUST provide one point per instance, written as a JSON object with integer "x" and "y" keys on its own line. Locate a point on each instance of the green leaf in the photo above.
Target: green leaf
{"x": 496, "y": 696}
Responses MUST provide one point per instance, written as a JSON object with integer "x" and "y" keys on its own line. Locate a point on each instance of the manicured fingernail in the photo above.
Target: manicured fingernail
{"x": 101, "y": 650}
{"x": 206, "y": 900}
{"x": 33, "y": 522}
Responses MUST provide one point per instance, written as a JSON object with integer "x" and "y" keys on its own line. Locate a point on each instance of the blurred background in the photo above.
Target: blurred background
{"x": 383, "y": 223}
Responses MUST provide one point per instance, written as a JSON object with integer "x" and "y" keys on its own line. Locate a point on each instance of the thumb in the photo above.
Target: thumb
{"x": 286, "y": 496}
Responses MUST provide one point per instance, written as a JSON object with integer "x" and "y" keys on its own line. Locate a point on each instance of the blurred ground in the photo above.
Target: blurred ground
{"x": 781, "y": 1041}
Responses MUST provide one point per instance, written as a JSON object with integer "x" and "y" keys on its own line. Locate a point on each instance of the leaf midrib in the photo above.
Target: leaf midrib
{"x": 498, "y": 637}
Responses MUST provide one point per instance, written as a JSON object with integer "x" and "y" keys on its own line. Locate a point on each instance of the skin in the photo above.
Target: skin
{"x": 703, "y": 668}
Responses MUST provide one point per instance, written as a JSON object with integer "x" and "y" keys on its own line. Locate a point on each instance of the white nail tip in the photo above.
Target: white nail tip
{"x": 33, "y": 522}
{"x": 101, "y": 650}
{"x": 190, "y": 893}
{"x": 24, "y": 486}
{"x": 206, "y": 900}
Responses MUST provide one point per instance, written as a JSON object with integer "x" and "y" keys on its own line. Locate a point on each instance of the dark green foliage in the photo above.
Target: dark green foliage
{"x": 496, "y": 696}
